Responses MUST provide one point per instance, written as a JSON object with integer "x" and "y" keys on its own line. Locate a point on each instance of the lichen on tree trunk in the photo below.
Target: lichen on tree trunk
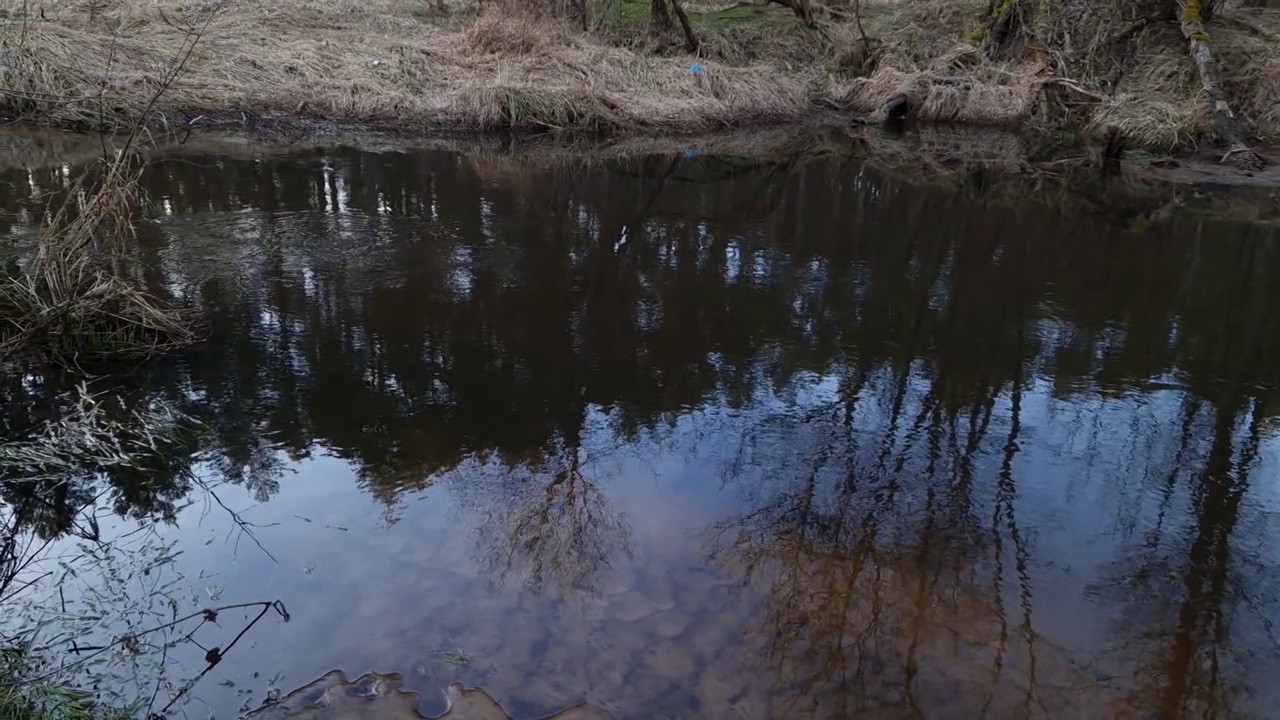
{"x": 1225, "y": 122}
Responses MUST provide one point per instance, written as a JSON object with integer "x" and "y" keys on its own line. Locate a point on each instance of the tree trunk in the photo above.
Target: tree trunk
{"x": 691, "y": 40}
{"x": 659, "y": 16}
{"x": 799, "y": 7}
{"x": 1225, "y": 122}
{"x": 1004, "y": 23}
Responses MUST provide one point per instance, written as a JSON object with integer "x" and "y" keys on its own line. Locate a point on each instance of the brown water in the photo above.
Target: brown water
{"x": 702, "y": 438}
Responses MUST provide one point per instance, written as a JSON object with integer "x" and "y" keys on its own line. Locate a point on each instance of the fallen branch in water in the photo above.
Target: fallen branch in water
{"x": 134, "y": 643}
{"x": 214, "y": 655}
{"x": 130, "y": 640}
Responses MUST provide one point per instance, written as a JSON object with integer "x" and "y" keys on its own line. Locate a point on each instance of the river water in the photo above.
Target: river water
{"x": 699, "y": 437}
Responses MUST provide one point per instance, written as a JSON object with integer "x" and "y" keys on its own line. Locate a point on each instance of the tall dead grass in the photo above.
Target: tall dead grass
{"x": 1248, "y": 47}
{"x": 1264, "y": 103}
{"x": 958, "y": 88}
{"x": 497, "y": 64}
{"x": 73, "y": 301}
{"x": 1125, "y": 64}
{"x": 1157, "y": 103}
{"x": 366, "y": 61}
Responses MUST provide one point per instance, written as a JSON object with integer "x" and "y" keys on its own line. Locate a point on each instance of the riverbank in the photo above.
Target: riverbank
{"x": 421, "y": 65}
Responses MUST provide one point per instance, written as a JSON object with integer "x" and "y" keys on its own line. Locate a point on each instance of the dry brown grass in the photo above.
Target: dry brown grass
{"x": 1147, "y": 81}
{"x": 917, "y": 35}
{"x": 366, "y": 61}
{"x": 925, "y": 56}
{"x": 957, "y": 87}
{"x": 1264, "y": 103}
{"x": 488, "y": 65}
{"x": 1248, "y": 44}
{"x": 1158, "y": 104}
{"x": 73, "y": 301}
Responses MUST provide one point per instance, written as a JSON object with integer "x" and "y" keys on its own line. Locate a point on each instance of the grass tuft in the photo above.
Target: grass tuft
{"x": 1264, "y": 102}
{"x": 506, "y": 107}
{"x": 72, "y": 301}
{"x": 1158, "y": 105}
{"x": 982, "y": 96}
{"x": 1247, "y": 43}
{"x": 57, "y": 704}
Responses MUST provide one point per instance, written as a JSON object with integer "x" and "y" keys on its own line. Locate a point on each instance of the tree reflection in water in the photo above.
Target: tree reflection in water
{"x": 902, "y": 371}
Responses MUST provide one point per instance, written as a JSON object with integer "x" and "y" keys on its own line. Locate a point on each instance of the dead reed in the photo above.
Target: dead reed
{"x": 72, "y": 300}
{"x": 373, "y": 61}
{"x": 498, "y": 64}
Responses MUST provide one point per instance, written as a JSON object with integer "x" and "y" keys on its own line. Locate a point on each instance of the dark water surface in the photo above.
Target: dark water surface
{"x": 696, "y": 438}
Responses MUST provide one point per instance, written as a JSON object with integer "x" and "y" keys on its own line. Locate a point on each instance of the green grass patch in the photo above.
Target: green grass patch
{"x": 627, "y": 17}
{"x": 741, "y": 17}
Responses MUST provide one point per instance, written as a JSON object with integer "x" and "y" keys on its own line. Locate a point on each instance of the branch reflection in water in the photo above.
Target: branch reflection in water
{"x": 801, "y": 439}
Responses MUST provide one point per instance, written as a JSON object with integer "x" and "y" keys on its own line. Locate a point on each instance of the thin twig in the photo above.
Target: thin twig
{"x": 857, "y": 18}
{"x": 164, "y": 655}
{"x": 102, "y": 102}
{"x": 215, "y": 656}
{"x": 181, "y": 58}
{"x": 26, "y": 19}
{"x": 203, "y": 614}
{"x": 1074, "y": 87}
{"x": 243, "y": 524}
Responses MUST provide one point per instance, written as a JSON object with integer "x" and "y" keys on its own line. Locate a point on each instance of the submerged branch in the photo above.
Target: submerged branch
{"x": 243, "y": 525}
